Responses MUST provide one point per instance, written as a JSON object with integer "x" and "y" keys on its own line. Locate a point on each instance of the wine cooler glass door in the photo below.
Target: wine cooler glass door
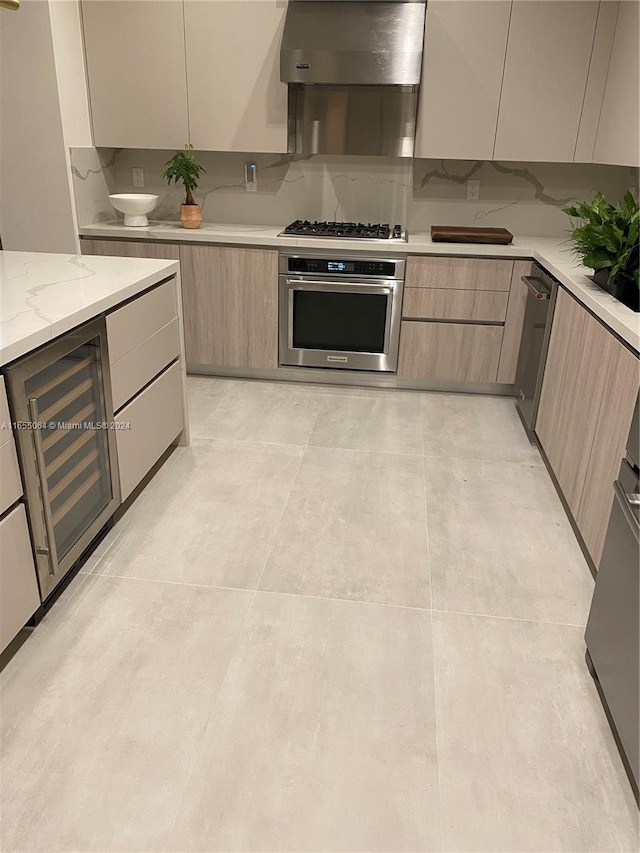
{"x": 72, "y": 451}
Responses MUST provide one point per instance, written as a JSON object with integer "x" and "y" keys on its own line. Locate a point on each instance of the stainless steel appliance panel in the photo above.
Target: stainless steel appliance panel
{"x": 353, "y": 43}
{"x": 62, "y": 397}
{"x": 347, "y": 321}
{"x": 613, "y": 627}
{"x": 365, "y": 120}
{"x": 536, "y": 329}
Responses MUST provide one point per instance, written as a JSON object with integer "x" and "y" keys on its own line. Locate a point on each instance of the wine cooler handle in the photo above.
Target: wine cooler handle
{"x": 50, "y": 552}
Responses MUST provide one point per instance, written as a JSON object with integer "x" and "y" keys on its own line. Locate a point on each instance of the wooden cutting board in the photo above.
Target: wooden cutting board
{"x": 462, "y": 234}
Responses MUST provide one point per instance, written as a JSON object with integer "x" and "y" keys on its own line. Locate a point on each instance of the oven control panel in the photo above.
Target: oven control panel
{"x": 336, "y": 266}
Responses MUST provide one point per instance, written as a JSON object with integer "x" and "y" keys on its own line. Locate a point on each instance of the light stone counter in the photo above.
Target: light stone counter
{"x": 44, "y": 295}
{"x": 551, "y": 253}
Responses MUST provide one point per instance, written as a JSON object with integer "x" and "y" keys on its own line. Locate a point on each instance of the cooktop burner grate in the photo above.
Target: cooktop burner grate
{"x": 349, "y": 230}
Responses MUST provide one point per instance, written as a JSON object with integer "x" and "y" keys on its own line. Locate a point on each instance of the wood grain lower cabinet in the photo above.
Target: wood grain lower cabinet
{"x": 454, "y": 273}
{"x": 574, "y": 378}
{"x": 230, "y": 300}
{"x": 19, "y": 596}
{"x": 449, "y": 352}
{"x": 465, "y": 305}
{"x": 588, "y": 394}
{"x": 130, "y": 249}
{"x": 609, "y": 442}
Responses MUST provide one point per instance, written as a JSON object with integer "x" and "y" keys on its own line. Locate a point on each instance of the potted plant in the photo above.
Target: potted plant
{"x": 184, "y": 167}
{"x": 606, "y": 239}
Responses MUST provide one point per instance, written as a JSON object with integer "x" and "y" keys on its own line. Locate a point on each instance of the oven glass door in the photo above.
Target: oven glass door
{"x": 348, "y": 324}
{"x": 339, "y": 320}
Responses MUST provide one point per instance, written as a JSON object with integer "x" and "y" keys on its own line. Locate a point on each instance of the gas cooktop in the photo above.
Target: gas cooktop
{"x": 347, "y": 230}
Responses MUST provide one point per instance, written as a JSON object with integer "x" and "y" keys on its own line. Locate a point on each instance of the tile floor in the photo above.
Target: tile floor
{"x": 341, "y": 620}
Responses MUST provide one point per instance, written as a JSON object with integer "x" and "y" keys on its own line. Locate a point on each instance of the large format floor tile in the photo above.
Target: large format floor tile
{"x": 527, "y": 761}
{"x": 203, "y": 394}
{"x": 211, "y": 518}
{"x": 500, "y": 544}
{"x": 103, "y": 714}
{"x": 274, "y": 413}
{"x": 472, "y": 426}
{"x": 354, "y": 527}
{"x": 370, "y": 420}
{"x": 323, "y": 737}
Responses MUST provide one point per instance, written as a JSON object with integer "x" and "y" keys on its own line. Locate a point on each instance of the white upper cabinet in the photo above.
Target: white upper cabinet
{"x": 236, "y": 99}
{"x": 136, "y": 71}
{"x": 464, "y": 54}
{"x": 618, "y": 137}
{"x": 545, "y": 77}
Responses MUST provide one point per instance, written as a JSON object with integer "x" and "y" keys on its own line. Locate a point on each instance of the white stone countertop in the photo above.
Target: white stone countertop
{"x": 553, "y": 254}
{"x": 43, "y": 295}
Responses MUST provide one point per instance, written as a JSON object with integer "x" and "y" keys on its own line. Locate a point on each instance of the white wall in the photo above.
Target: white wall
{"x": 38, "y": 117}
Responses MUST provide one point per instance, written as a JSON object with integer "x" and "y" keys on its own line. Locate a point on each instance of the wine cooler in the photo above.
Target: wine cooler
{"x": 60, "y": 398}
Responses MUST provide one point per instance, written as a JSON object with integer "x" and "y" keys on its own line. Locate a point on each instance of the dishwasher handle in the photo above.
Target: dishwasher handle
{"x": 534, "y": 286}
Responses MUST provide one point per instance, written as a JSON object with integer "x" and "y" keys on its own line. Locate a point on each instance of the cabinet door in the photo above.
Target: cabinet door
{"x": 609, "y": 442}
{"x": 574, "y": 376}
{"x": 230, "y": 303}
{"x": 618, "y": 136}
{"x": 545, "y": 76}
{"x": 449, "y": 352}
{"x": 236, "y": 99}
{"x": 136, "y": 72}
{"x": 464, "y": 52}
{"x": 130, "y": 249}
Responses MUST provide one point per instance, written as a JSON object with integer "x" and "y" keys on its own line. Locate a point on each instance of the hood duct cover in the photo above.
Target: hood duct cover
{"x": 353, "y": 42}
{"x": 353, "y": 69}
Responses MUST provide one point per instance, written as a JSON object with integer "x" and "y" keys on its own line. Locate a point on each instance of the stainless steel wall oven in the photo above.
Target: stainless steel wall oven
{"x": 60, "y": 398}
{"x": 340, "y": 311}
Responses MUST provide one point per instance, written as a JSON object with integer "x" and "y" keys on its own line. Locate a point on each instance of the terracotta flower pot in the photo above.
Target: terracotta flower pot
{"x": 191, "y": 215}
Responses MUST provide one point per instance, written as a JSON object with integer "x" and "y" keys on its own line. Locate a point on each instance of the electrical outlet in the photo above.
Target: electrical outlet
{"x": 251, "y": 177}
{"x": 473, "y": 189}
{"x": 137, "y": 176}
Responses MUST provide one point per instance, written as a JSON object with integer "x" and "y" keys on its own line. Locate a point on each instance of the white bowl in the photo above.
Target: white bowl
{"x": 135, "y": 206}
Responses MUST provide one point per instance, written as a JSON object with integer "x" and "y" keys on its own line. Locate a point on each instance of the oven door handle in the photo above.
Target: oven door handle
{"x": 342, "y": 286}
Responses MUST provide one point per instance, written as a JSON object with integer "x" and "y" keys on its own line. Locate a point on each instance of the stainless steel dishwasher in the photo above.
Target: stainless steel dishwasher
{"x": 541, "y": 299}
{"x": 613, "y": 627}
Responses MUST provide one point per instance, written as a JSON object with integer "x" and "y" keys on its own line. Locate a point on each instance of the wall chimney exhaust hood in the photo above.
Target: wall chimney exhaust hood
{"x": 353, "y": 70}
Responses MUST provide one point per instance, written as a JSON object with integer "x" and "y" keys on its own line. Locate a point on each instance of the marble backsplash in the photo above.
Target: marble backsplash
{"x": 526, "y": 198}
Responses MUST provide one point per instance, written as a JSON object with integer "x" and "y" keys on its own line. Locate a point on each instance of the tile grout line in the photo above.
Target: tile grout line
{"x": 433, "y": 645}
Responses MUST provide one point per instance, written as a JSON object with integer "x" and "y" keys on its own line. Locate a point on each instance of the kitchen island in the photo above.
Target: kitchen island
{"x": 92, "y": 394}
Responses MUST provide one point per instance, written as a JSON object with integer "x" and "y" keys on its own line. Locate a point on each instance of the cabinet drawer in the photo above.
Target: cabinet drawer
{"x": 436, "y": 304}
{"x": 155, "y": 419}
{"x": 449, "y": 352}
{"x": 132, "y": 372}
{"x": 132, "y": 324}
{"x": 459, "y": 273}
{"x": 19, "y": 596}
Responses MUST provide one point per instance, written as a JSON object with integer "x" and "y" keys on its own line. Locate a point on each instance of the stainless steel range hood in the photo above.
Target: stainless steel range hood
{"x": 353, "y": 70}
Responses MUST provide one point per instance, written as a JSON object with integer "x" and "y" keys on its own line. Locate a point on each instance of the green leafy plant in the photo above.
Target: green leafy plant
{"x": 184, "y": 167}
{"x": 606, "y": 237}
